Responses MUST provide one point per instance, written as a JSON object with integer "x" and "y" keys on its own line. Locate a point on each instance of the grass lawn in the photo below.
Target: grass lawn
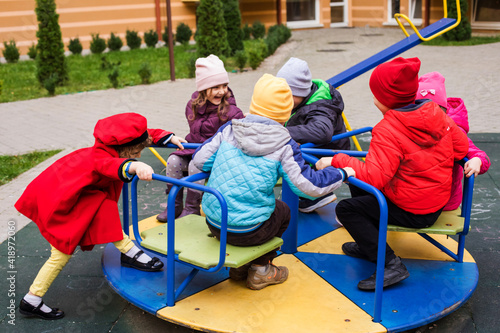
{"x": 13, "y": 166}
{"x": 475, "y": 40}
{"x": 86, "y": 74}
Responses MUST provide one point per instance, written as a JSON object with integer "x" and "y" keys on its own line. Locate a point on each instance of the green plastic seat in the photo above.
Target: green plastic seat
{"x": 448, "y": 223}
{"x": 195, "y": 244}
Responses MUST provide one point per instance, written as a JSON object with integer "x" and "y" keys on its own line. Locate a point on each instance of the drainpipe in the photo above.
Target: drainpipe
{"x": 158, "y": 19}
{"x": 170, "y": 42}
{"x": 278, "y": 8}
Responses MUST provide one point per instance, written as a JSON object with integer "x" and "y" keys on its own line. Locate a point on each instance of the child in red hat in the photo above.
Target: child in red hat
{"x": 410, "y": 159}
{"x": 74, "y": 201}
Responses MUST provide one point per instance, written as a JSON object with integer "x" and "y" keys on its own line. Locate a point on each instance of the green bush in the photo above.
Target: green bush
{"x": 183, "y": 33}
{"x": 232, "y": 17}
{"x": 115, "y": 43}
{"x": 11, "y": 52}
{"x": 247, "y": 31}
{"x": 463, "y": 30}
{"x": 211, "y": 35}
{"x": 113, "y": 77}
{"x": 258, "y": 30}
{"x": 192, "y": 66}
{"x": 257, "y": 53}
{"x": 32, "y": 51}
{"x": 97, "y": 44}
{"x": 75, "y": 46}
{"x": 133, "y": 39}
{"x": 151, "y": 38}
{"x": 241, "y": 59}
{"x": 50, "y": 84}
{"x": 164, "y": 36}
{"x": 145, "y": 73}
{"x": 51, "y": 58}
{"x": 277, "y": 35}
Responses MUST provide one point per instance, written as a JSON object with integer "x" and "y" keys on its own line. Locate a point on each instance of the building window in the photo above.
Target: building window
{"x": 338, "y": 11}
{"x": 302, "y": 13}
{"x": 486, "y": 14}
{"x": 414, "y": 12}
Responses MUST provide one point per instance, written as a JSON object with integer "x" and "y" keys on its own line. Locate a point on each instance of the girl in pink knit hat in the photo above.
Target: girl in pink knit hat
{"x": 431, "y": 86}
{"x": 210, "y": 106}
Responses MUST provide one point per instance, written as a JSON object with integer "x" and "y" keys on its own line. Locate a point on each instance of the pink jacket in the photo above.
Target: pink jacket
{"x": 458, "y": 112}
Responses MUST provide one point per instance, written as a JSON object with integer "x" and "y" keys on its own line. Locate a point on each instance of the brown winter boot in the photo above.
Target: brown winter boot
{"x": 193, "y": 201}
{"x": 162, "y": 217}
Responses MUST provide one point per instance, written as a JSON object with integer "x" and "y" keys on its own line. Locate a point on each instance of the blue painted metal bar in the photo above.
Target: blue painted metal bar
{"x": 330, "y": 152}
{"x": 440, "y": 246}
{"x": 290, "y": 236}
{"x": 125, "y": 210}
{"x": 135, "y": 214}
{"x": 382, "y": 240}
{"x": 185, "y": 283}
{"x": 340, "y": 136}
{"x": 389, "y": 53}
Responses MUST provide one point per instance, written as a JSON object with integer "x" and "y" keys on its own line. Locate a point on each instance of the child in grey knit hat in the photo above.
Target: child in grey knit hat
{"x": 316, "y": 116}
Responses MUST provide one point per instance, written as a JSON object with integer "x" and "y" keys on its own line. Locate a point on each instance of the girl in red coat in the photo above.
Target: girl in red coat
{"x": 410, "y": 159}
{"x": 74, "y": 201}
{"x": 211, "y": 106}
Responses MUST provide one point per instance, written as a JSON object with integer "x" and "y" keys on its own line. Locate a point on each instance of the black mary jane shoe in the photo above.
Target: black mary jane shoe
{"x": 31, "y": 311}
{"x": 154, "y": 265}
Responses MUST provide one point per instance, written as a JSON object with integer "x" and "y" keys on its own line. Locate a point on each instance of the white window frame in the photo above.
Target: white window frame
{"x": 481, "y": 24}
{"x": 344, "y": 4}
{"x": 307, "y": 23}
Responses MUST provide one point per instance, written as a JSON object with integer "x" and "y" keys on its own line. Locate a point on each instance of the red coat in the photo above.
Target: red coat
{"x": 411, "y": 157}
{"x": 74, "y": 201}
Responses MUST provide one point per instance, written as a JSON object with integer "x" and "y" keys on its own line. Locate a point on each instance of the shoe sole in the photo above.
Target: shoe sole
{"x": 263, "y": 285}
{"x": 319, "y": 204}
{"x": 141, "y": 269}
{"x": 30, "y": 315}
{"x": 387, "y": 283}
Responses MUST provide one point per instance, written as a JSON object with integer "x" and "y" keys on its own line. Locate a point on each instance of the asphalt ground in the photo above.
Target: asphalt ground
{"x": 66, "y": 122}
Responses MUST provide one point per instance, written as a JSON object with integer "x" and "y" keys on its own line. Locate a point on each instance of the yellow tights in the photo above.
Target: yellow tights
{"x": 50, "y": 270}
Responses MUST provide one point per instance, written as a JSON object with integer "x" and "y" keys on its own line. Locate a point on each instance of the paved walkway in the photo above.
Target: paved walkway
{"x": 67, "y": 121}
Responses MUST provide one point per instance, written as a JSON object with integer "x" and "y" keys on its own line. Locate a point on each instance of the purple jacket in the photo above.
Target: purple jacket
{"x": 458, "y": 112}
{"x": 207, "y": 121}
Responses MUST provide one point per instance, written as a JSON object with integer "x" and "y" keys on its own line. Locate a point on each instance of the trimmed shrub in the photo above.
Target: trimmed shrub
{"x": 164, "y": 36}
{"x": 277, "y": 35}
{"x": 115, "y": 43}
{"x": 75, "y": 46}
{"x": 97, "y": 44}
{"x": 257, "y": 53}
{"x": 10, "y": 52}
{"x": 32, "y": 51}
{"x": 51, "y": 57}
{"x": 145, "y": 73}
{"x": 247, "y": 31}
{"x": 113, "y": 77}
{"x": 258, "y": 30}
{"x": 211, "y": 35}
{"x": 151, "y": 38}
{"x": 50, "y": 84}
{"x": 133, "y": 39}
{"x": 463, "y": 30}
{"x": 241, "y": 59}
{"x": 183, "y": 33}
{"x": 232, "y": 17}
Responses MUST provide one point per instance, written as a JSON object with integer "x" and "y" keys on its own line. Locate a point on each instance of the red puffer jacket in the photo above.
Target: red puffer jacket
{"x": 411, "y": 157}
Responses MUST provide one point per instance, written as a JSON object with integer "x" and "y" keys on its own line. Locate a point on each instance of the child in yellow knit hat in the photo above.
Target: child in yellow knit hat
{"x": 246, "y": 157}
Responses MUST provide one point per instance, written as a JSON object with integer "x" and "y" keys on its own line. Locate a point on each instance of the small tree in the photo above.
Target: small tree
{"x": 258, "y": 30}
{"x": 32, "y": 51}
{"x": 247, "y": 31}
{"x": 75, "y": 46}
{"x": 241, "y": 59}
{"x": 11, "y": 52}
{"x": 115, "y": 43}
{"x": 232, "y": 17}
{"x": 151, "y": 38}
{"x": 183, "y": 33}
{"x": 463, "y": 30}
{"x": 211, "y": 35}
{"x": 97, "y": 45}
{"x": 133, "y": 39}
{"x": 145, "y": 73}
{"x": 51, "y": 59}
{"x": 164, "y": 36}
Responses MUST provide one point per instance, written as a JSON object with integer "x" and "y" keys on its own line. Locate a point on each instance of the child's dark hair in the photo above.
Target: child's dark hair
{"x": 126, "y": 151}
{"x": 201, "y": 99}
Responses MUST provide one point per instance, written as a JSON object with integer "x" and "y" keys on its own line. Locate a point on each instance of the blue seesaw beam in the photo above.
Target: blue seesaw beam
{"x": 389, "y": 53}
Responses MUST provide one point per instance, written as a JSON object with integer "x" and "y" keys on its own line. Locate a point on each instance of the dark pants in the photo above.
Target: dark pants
{"x": 360, "y": 216}
{"x": 275, "y": 226}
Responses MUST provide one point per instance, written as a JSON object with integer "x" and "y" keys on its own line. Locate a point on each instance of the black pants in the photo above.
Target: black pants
{"x": 275, "y": 226}
{"x": 360, "y": 216}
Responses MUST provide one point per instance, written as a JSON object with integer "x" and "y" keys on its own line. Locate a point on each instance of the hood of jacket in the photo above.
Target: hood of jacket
{"x": 418, "y": 122}
{"x": 323, "y": 96}
{"x": 259, "y": 136}
{"x": 458, "y": 112}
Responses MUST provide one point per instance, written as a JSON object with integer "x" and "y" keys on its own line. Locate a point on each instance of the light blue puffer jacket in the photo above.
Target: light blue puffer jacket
{"x": 246, "y": 157}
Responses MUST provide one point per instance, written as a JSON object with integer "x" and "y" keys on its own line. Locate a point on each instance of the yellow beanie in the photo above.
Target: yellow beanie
{"x": 272, "y": 98}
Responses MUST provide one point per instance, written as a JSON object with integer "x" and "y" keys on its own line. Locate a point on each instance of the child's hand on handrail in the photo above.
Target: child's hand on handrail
{"x": 178, "y": 142}
{"x": 350, "y": 172}
{"x": 472, "y": 167}
{"x": 142, "y": 170}
{"x": 323, "y": 163}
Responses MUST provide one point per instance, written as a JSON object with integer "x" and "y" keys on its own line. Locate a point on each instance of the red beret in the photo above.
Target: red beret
{"x": 395, "y": 83}
{"x": 123, "y": 129}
